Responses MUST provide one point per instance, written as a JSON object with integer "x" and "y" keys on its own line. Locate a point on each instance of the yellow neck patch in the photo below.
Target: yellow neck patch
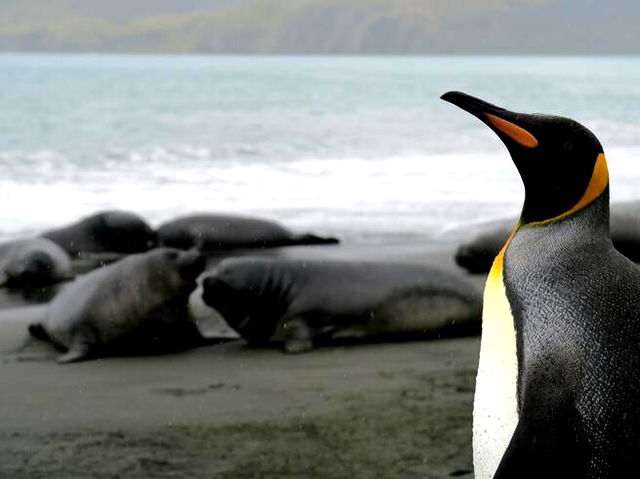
{"x": 597, "y": 185}
{"x": 495, "y": 273}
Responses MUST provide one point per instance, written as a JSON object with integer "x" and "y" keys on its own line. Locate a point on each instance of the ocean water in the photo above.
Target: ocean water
{"x": 358, "y": 147}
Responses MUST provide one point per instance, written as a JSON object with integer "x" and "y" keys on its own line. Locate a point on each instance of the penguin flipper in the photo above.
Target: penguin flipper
{"x": 545, "y": 443}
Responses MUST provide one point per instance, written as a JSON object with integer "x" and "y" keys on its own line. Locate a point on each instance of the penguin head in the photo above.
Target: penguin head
{"x": 561, "y": 162}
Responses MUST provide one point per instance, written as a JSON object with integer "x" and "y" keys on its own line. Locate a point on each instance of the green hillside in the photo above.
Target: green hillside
{"x": 307, "y": 26}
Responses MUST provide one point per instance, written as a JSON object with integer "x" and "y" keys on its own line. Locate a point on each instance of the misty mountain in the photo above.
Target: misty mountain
{"x": 321, "y": 26}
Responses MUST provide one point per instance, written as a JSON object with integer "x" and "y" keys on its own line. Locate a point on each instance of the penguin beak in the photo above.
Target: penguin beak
{"x": 501, "y": 121}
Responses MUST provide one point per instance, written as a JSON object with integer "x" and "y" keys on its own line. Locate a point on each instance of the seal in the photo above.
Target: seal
{"x": 136, "y": 305}
{"x": 558, "y": 384}
{"x": 477, "y": 255}
{"x": 105, "y": 232}
{"x": 301, "y": 303}
{"x": 625, "y": 229}
{"x": 33, "y": 262}
{"x": 211, "y": 232}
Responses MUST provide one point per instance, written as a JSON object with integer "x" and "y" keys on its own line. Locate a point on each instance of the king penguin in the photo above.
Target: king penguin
{"x": 558, "y": 386}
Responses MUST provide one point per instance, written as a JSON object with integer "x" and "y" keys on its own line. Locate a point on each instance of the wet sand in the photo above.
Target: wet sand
{"x": 225, "y": 411}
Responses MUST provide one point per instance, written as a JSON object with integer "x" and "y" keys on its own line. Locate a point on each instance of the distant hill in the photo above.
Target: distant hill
{"x": 321, "y": 26}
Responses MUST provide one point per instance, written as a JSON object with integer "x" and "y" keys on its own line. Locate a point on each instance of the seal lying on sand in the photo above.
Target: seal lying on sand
{"x": 33, "y": 262}
{"x": 209, "y": 232}
{"x": 301, "y": 303}
{"x": 136, "y": 305}
{"x": 625, "y": 229}
{"x": 105, "y": 232}
{"x": 478, "y": 254}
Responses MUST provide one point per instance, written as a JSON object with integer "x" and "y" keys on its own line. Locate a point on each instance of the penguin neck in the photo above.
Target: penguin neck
{"x": 542, "y": 200}
{"x": 594, "y": 222}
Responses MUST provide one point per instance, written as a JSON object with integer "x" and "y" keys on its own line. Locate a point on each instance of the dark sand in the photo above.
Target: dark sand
{"x": 224, "y": 411}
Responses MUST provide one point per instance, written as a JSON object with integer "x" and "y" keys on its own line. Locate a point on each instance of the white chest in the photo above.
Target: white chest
{"x": 495, "y": 403}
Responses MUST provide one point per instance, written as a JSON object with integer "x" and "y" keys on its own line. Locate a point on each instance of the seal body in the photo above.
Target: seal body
{"x": 302, "y": 303}
{"x": 210, "y": 232}
{"x": 33, "y": 262}
{"x": 477, "y": 255}
{"x": 105, "y": 232}
{"x": 625, "y": 229}
{"x": 138, "y": 304}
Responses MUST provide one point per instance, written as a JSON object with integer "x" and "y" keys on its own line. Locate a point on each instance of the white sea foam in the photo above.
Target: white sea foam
{"x": 404, "y": 195}
{"x": 430, "y": 196}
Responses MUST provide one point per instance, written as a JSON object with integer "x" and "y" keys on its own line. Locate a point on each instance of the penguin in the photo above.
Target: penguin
{"x": 558, "y": 385}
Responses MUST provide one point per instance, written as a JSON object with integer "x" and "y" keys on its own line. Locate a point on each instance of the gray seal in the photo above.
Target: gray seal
{"x": 33, "y": 262}
{"x": 133, "y": 306}
{"x": 303, "y": 303}
{"x": 210, "y": 232}
{"x": 105, "y": 232}
{"x": 477, "y": 255}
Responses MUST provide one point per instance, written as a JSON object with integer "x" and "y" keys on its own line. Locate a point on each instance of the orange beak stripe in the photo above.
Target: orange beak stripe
{"x": 516, "y": 133}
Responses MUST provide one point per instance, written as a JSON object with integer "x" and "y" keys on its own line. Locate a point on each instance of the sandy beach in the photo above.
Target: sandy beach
{"x": 223, "y": 410}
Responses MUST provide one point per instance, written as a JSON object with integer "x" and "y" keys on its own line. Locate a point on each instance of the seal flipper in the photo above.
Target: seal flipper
{"x": 77, "y": 352}
{"x": 298, "y": 336}
{"x": 311, "y": 239}
{"x": 37, "y": 331}
{"x": 81, "y": 345}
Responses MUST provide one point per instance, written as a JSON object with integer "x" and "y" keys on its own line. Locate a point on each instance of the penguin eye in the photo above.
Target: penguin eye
{"x": 567, "y": 146}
